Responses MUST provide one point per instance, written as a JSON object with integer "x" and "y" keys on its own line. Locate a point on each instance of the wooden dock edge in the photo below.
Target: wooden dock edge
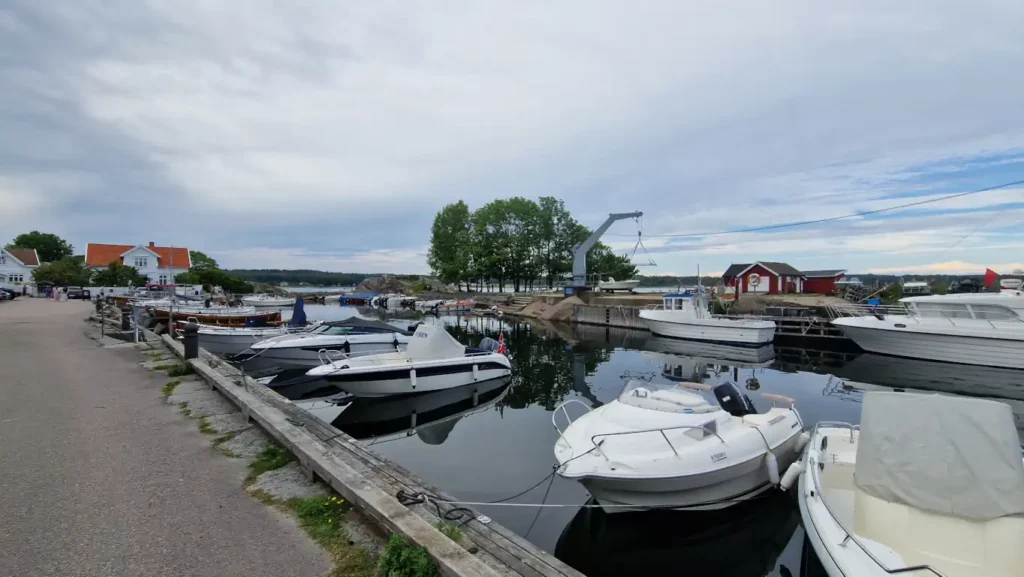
{"x": 333, "y": 464}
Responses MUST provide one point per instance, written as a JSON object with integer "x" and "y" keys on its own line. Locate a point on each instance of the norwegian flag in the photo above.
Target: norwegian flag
{"x": 502, "y": 349}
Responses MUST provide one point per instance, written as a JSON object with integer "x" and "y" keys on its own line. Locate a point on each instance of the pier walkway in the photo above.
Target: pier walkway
{"x": 99, "y": 477}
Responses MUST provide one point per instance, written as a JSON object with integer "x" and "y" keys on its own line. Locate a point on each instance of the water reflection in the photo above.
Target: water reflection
{"x": 741, "y": 541}
{"x": 492, "y": 451}
{"x": 430, "y": 416}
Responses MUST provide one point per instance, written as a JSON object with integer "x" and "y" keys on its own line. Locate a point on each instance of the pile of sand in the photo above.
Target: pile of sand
{"x": 562, "y": 311}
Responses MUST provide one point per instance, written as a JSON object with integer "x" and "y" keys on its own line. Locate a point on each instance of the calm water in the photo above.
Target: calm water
{"x": 499, "y": 442}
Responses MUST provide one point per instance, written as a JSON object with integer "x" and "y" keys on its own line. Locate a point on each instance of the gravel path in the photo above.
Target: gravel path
{"x": 99, "y": 476}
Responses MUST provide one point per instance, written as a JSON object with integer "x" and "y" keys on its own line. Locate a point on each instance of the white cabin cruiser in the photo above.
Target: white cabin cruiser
{"x": 970, "y": 328}
{"x": 264, "y": 300}
{"x": 928, "y": 485}
{"x": 330, "y": 340}
{"x": 612, "y": 285}
{"x": 433, "y": 361}
{"x": 666, "y": 446}
{"x": 685, "y": 316}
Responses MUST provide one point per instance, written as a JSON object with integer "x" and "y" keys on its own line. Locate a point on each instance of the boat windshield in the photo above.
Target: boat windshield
{"x": 668, "y": 398}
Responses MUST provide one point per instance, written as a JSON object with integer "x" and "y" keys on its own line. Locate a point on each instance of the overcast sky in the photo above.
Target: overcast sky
{"x": 326, "y": 135}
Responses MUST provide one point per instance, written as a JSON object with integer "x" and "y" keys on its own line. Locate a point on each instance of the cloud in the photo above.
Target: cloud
{"x": 331, "y": 133}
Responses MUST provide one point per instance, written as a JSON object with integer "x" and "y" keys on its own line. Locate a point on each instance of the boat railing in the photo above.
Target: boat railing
{"x": 369, "y": 357}
{"x": 661, "y": 430}
{"x": 569, "y": 420}
{"x": 815, "y": 470}
{"x": 841, "y": 310}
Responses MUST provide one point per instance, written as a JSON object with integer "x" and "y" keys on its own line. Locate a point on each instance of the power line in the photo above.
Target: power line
{"x": 831, "y": 218}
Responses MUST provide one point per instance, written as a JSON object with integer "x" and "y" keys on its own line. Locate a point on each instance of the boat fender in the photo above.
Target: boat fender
{"x": 801, "y": 442}
{"x": 792, "y": 474}
{"x": 412, "y": 377}
{"x": 347, "y": 347}
{"x": 476, "y": 372}
{"x": 772, "y": 465}
{"x": 394, "y": 343}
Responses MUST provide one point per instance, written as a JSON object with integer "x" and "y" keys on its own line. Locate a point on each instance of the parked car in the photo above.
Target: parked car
{"x": 75, "y": 292}
{"x": 8, "y": 294}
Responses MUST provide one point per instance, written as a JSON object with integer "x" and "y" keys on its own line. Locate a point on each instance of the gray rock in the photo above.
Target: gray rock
{"x": 288, "y": 482}
{"x": 230, "y": 423}
{"x": 247, "y": 444}
{"x": 204, "y": 403}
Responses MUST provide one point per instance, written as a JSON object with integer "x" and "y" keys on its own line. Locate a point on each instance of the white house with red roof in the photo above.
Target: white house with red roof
{"x": 16, "y": 266}
{"x": 159, "y": 264}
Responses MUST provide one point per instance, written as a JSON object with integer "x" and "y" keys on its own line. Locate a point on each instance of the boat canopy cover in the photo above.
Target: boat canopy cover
{"x": 356, "y": 322}
{"x": 951, "y": 455}
{"x": 430, "y": 342}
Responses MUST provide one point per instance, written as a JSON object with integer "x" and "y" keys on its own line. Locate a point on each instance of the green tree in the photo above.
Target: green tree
{"x": 450, "y": 244}
{"x": 557, "y": 235}
{"x": 67, "y": 271}
{"x": 215, "y": 277}
{"x": 200, "y": 261}
{"x": 117, "y": 274}
{"x": 50, "y": 247}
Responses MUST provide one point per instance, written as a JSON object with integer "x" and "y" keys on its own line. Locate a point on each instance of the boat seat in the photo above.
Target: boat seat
{"x": 669, "y": 401}
{"x": 955, "y": 546}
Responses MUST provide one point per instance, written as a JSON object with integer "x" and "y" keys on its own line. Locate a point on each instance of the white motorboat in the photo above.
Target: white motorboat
{"x": 268, "y": 301}
{"x": 231, "y": 341}
{"x": 926, "y": 485}
{"x": 666, "y": 446}
{"x": 970, "y": 328}
{"x": 685, "y": 316}
{"x": 612, "y": 285}
{"x": 433, "y": 361}
{"x": 180, "y": 310}
{"x": 331, "y": 340}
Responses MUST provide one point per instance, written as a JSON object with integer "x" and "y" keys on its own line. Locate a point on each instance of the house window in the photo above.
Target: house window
{"x": 3, "y": 259}
{"x": 141, "y": 262}
{"x": 163, "y": 279}
{"x": 15, "y": 278}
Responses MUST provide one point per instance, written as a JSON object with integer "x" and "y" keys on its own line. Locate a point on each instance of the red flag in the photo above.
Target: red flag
{"x": 501, "y": 344}
{"x": 990, "y": 276}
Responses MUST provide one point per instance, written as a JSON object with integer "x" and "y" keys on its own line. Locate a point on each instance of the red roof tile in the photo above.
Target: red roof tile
{"x": 104, "y": 254}
{"x": 27, "y": 256}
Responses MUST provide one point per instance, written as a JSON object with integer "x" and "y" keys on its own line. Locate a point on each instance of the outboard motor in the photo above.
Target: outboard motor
{"x": 733, "y": 400}
{"x": 488, "y": 344}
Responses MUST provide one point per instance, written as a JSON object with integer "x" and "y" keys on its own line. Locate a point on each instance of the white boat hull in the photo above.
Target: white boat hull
{"x": 717, "y": 489}
{"x": 970, "y": 350}
{"x": 749, "y": 333}
{"x": 619, "y": 285}
{"x": 406, "y": 381}
{"x": 225, "y": 343}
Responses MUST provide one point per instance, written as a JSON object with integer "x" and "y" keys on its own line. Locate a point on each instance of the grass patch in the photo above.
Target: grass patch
{"x": 323, "y": 519}
{"x": 205, "y": 428}
{"x": 229, "y": 453}
{"x": 450, "y": 531}
{"x": 224, "y": 438}
{"x": 158, "y": 357}
{"x": 180, "y": 370}
{"x": 273, "y": 457}
{"x": 168, "y": 389}
{"x": 184, "y": 409}
{"x": 400, "y": 559}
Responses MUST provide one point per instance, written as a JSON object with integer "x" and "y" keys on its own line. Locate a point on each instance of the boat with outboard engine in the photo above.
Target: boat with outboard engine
{"x": 432, "y": 361}
{"x": 666, "y": 446}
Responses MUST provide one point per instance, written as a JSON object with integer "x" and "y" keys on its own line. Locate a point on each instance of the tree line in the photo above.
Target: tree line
{"x": 310, "y": 277}
{"x": 514, "y": 241}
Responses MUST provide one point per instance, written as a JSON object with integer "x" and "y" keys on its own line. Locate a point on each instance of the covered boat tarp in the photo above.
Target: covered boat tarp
{"x": 951, "y": 455}
{"x": 430, "y": 342}
{"x": 359, "y": 323}
{"x": 298, "y": 314}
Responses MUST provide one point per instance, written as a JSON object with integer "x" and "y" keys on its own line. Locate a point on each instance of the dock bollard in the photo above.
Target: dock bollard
{"x": 190, "y": 339}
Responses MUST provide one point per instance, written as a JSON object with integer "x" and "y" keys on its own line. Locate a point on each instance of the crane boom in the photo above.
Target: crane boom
{"x": 579, "y": 261}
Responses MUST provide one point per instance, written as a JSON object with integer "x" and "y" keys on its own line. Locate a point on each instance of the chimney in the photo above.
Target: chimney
{"x": 151, "y": 245}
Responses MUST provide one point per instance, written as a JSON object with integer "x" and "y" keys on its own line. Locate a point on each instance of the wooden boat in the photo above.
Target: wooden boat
{"x": 260, "y": 318}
